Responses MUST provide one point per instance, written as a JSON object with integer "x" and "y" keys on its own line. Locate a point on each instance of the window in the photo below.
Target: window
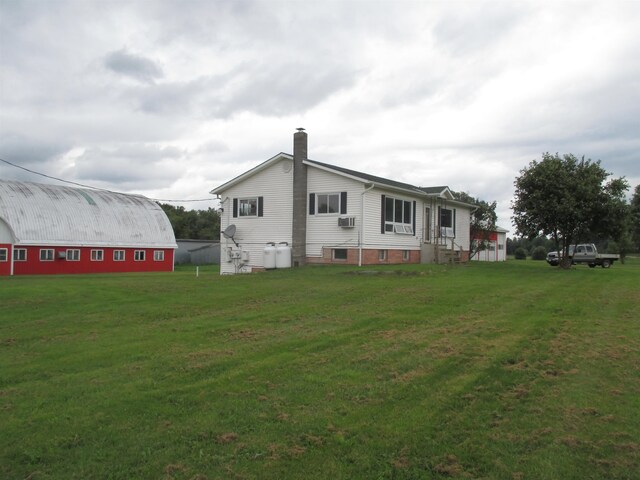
{"x": 248, "y": 207}
{"x": 118, "y": 255}
{"x": 382, "y": 255}
{"x": 339, "y": 253}
{"x": 328, "y": 203}
{"x": 46, "y": 255}
{"x": 405, "y": 255}
{"x": 158, "y": 255}
{"x": 399, "y": 215}
{"x": 20, "y": 255}
{"x": 73, "y": 255}
{"x": 138, "y": 256}
{"x": 4, "y": 253}
{"x": 501, "y": 246}
{"x": 447, "y": 222}
{"x": 97, "y": 255}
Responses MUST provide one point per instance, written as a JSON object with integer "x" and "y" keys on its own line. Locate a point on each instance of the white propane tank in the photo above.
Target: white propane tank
{"x": 270, "y": 256}
{"x": 283, "y": 255}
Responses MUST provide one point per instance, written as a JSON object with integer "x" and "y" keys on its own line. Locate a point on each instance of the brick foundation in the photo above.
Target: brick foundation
{"x": 369, "y": 257}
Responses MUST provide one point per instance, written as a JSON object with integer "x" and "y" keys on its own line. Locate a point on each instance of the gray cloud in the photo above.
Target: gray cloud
{"x": 133, "y": 66}
{"x": 423, "y": 92}
{"x": 129, "y": 166}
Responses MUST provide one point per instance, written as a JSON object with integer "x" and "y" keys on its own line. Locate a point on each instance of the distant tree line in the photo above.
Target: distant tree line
{"x": 193, "y": 224}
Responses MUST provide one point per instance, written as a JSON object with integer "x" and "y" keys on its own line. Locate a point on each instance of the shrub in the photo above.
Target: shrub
{"x": 521, "y": 253}
{"x": 539, "y": 253}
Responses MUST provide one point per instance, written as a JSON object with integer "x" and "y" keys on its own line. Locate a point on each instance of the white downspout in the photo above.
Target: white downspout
{"x": 362, "y": 223}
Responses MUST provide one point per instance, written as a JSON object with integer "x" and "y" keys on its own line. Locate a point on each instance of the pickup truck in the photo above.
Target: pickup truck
{"x": 584, "y": 253}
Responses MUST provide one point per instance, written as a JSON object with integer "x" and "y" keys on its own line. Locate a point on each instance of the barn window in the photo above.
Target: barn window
{"x": 138, "y": 256}
{"x": 158, "y": 255}
{"x": 4, "y": 253}
{"x": 118, "y": 255}
{"x": 97, "y": 255}
{"x": 20, "y": 255}
{"x": 73, "y": 255}
{"x": 46, "y": 255}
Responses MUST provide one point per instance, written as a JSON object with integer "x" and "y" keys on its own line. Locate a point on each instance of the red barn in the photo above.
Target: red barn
{"x": 51, "y": 229}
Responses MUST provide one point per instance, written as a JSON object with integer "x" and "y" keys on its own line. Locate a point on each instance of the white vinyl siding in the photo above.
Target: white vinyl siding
{"x": 323, "y": 229}
{"x": 274, "y": 185}
{"x": 374, "y": 238}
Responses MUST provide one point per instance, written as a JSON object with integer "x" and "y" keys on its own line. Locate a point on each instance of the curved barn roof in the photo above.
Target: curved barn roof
{"x": 58, "y": 215}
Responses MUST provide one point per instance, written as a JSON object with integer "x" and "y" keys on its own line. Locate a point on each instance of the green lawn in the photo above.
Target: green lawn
{"x": 495, "y": 371}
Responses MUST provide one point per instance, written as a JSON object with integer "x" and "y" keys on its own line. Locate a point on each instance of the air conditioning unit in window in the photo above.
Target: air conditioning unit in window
{"x": 347, "y": 222}
{"x": 446, "y": 232}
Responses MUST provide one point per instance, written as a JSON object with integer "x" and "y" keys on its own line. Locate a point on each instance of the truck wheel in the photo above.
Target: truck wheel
{"x": 606, "y": 263}
{"x": 592, "y": 265}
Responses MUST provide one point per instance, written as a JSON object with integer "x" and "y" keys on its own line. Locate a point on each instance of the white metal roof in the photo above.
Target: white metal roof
{"x": 40, "y": 214}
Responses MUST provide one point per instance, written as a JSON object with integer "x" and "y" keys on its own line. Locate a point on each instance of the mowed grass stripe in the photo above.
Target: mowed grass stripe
{"x": 506, "y": 371}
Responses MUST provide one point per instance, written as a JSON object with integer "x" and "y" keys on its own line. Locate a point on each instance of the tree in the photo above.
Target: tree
{"x": 635, "y": 218}
{"x": 483, "y": 222}
{"x": 568, "y": 200}
{"x": 193, "y": 224}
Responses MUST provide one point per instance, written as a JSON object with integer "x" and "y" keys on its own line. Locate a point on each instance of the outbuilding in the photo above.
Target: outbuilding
{"x": 52, "y": 229}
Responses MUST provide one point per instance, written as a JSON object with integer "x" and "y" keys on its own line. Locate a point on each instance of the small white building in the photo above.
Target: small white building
{"x": 306, "y": 212}
{"x": 496, "y": 250}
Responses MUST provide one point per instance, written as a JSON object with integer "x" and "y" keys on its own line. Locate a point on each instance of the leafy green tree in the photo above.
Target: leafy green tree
{"x": 483, "y": 222}
{"x": 635, "y": 218}
{"x": 568, "y": 200}
{"x": 193, "y": 224}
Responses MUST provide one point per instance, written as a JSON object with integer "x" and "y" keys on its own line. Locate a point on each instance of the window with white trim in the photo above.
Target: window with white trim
{"x": 248, "y": 207}
{"x": 406, "y": 255}
{"x": 118, "y": 255}
{"x": 332, "y": 203}
{"x": 72, "y": 255}
{"x": 4, "y": 254}
{"x": 138, "y": 255}
{"x": 46, "y": 254}
{"x": 447, "y": 222}
{"x": 398, "y": 216}
{"x": 19, "y": 254}
{"x": 97, "y": 255}
{"x": 328, "y": 203}
{"x": 158, "y": 255}
{"x": 382, "y": 255}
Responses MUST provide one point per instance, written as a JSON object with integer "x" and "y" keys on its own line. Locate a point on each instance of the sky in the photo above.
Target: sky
{"x": 170, "y": 99}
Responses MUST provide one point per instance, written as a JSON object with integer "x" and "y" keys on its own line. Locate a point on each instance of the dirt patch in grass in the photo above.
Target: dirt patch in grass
{"x": 226, "y": 438}
{"x": 450, "y": 467}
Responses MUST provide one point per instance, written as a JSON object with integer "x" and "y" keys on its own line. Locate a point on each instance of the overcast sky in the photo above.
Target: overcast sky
{"x": 170, "y": 99}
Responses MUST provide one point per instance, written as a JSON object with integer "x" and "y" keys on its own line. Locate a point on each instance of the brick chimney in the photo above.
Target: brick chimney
{"x": 299, "y": 233}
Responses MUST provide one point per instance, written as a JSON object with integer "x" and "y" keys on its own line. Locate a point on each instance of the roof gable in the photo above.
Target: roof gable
{"x": 250, "y": 173}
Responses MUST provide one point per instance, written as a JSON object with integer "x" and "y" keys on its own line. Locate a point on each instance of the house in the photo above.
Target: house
{"x": 496, "y": 250}
{"x": 50, "y": 229}
{"x": 315, "y": 213}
